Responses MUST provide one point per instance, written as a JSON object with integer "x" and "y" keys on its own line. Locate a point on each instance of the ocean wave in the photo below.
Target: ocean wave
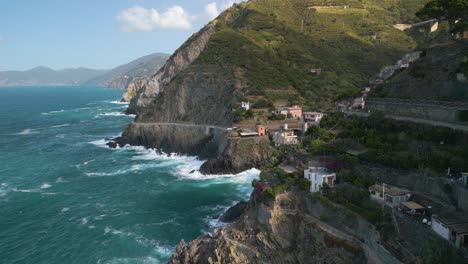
{"x": 53, "y": 112}
{"x": 60, "y": 180}
{"x": 119, "y": 103}
{"x": 110, "y": 114}
{"x": 27, "y": 131}
{"x": 45, "y": 186}
{"x": 65, "y": 209}
{"x": 62, "y": 125}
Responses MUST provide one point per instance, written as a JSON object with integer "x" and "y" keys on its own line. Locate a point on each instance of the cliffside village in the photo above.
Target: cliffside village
{"x": 322, "y": 175}
{"x": 451, "y": 226}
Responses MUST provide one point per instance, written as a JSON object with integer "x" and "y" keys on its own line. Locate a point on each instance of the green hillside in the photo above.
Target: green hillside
{"x": 275, "y": 43}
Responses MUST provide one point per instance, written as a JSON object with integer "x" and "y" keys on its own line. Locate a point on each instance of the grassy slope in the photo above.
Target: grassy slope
{"x": 275, "y": 43}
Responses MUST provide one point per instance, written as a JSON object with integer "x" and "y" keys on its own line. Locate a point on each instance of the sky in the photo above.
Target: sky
{"x": 99, "y": 34}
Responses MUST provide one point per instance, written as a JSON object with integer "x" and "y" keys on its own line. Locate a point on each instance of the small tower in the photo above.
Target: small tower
{"x": 261, "y": 130}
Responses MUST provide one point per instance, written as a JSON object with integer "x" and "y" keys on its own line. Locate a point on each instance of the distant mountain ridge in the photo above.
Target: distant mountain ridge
{"x": 120, "y": 77}
{"x": 140, "y": 69}
{"x": 48, "y": 76}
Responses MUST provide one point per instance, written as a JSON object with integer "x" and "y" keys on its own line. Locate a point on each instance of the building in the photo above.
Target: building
{"x": 412, "y": 208}
{"x": 359, "y": 103}
{"x": 261, "y": 130}
{"x": 284, "y": 137}
{"x": 245, "y": 105}
{"x": 452, "y": 228}
{"x": 461, "y": 35}
{"x": 316, "y": 71}
{"x": 312, "y": 117}
{"x": 318, "y": 176}
{"x": 295, "y": 111}
{"x": 392, "y": 196}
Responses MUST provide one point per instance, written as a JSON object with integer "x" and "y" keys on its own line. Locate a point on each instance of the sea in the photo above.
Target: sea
{"x": 65, "y": 197}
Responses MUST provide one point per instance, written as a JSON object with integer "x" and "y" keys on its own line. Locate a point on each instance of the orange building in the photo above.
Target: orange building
{"x": 261, "y": 130}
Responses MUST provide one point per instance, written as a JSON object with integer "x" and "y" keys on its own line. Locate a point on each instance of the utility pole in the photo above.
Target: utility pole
{"x": 383, "y": 196}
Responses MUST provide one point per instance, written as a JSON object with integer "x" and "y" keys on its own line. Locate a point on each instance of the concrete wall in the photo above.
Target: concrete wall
{"x": 439, "y": 229}
{"x": 414, "y": 109}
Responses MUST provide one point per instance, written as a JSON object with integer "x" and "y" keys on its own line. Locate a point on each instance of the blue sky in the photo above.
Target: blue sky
{"x": 98, "y": 34}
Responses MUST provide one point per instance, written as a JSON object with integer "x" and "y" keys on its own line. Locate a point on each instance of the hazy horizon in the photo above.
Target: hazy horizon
{"x": 96, "y": 35}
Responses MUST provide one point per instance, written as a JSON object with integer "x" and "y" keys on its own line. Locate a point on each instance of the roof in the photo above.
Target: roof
{"x": 425, "y": 22}
{"x": 312, "y": 113}
{"x": 413, "y": 205}
{"x": 451, "y": 219}
{"x": 246, "y": 134}
{"x": 460, "y": 228}
{"x": 390, "y": 190}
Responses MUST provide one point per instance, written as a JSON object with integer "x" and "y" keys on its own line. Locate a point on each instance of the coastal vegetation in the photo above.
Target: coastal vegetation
{"x": 275, "y": 44}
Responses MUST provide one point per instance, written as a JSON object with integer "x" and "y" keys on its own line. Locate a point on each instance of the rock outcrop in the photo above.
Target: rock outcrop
{"x": 132, "y": 90}
{"x": 180, "y": 60}
{"x": 197, "y": 140}
{"x": 239, "y": 155}
{"x": 289, "y": 230}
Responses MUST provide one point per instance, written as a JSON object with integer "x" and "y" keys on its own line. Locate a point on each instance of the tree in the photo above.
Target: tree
{"x": 452, "y": 10}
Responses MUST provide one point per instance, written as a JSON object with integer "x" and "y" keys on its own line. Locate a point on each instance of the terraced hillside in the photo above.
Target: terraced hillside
{"x": 265, "y": 49}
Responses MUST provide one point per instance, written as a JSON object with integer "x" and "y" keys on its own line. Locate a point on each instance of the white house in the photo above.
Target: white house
{"x": 312, "y": 117}
{"x": 284, "y": 137}
{"x": 452, "y": 228}
{"x": 245, "y": 105}
{"x": 318, "y": 176}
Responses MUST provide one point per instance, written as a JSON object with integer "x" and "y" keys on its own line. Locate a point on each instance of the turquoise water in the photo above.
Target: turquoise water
{"x": 67, "y": 198}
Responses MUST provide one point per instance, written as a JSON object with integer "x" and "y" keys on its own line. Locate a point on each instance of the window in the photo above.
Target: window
{"x": 372, "y": 192}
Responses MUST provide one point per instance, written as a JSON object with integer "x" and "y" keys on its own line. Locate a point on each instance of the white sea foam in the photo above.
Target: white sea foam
{"x": 84, "y": 220}
{"x": 60, "y": 180}
{"x": 45, "y": 186}
{"x": 65, "y": 209}
{"x": 25, "y": 191}
{"x": 27, "y": 131}
{"x": 119, "y": 103}
{"x": 110, "y": 114}
{"x": 62, "y": 125}
{"x": 53, "y": 112}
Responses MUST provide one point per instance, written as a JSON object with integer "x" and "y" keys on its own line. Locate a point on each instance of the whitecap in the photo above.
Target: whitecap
{"x": 119, "y": 103}
{"x": 27, "y": 131}
{"x": 60, "y": 180}
{"x": 25, "y": 191}
{"x": 54, "y": 112}
{"x": 84, "y": 220}
{"x": 62, "y": 125}
{"x": 65, "y": 209}
{"x": 45, "y": 186}
{"x": 112, "y": 114}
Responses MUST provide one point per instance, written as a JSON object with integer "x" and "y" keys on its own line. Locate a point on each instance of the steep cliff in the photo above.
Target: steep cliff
{"x": 240, "y": 155}
{"x": 132, "y": 90}
{"x": 294, "y": 228}
{"x": 180, "y": 60}
{"x": 265, "y": 49}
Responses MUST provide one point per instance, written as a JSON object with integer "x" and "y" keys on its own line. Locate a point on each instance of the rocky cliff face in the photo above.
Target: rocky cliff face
{"x": 240, "y": 155}
{"x": 132, "y": 90}
{"x": 203, "y": 141}
{"x": 289, "y": 230}
{"x": 181, "y": 59}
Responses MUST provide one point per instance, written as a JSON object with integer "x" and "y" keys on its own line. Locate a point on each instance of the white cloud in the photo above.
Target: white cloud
{"x": 138, "y": 18}
{"x": 212, "y": 10}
